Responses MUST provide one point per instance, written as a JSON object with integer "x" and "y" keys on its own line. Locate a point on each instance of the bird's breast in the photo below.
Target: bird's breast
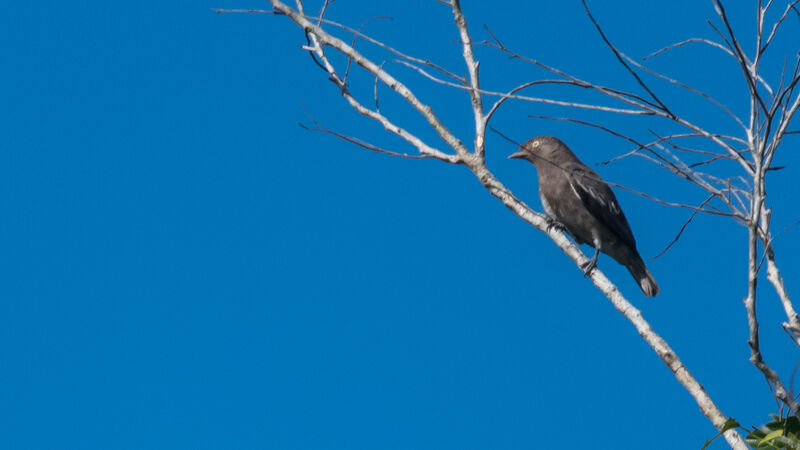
{"x": 546, "y": 205}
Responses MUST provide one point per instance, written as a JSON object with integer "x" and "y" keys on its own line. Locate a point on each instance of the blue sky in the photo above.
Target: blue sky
{"x": 185, "y": 267}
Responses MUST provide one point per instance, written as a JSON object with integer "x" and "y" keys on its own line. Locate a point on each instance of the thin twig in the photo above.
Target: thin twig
{"x": 777, "y": 24}
{"x": 505, "y": 137}
{"x": 617, "y": 53}
{"x": 683, "y": 227}
{"x": 357, "y": 141}
{"x": 247, "y": 11}
{"x": 530, "y": 99}
{"x": 741, "y": 58}
{"x": 689, "y": 41}
{"x": 688, "y": 88}
{"x": 355, "y": 36}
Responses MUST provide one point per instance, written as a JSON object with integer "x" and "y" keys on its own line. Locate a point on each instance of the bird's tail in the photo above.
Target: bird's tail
{"x": 642, "y": 276}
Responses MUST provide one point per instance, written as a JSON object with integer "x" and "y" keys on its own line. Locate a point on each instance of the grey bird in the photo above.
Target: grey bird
{"x": 579, "y": 201}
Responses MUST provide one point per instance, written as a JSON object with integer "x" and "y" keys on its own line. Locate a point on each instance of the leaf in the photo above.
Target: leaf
{"x": 730, "y": 423}
{"x": 771, "y": 436}
{"x": 780, "y": 434}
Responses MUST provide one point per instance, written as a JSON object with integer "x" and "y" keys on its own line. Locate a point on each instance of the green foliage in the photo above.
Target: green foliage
{"x": 783, "y": 433}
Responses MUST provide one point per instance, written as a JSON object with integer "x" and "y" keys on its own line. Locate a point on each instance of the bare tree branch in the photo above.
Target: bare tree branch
{"x": 687, "y": 87}
{"x": 526, "y": 98}
{"x": 756, "y": 357}
{"x": 774, "y": 277}
{"x": 474, "y": 80}
{"x": 358, "y": 33}
{"x": 775, "y": 27}
{"x": 645, "y": 108}
{"x": 622, "y": 61}
{"x": 425, "y": 110}
{"x": 745, "y": 196}
{"x": 355, "y": 36}
{"x": 744, "y": 62}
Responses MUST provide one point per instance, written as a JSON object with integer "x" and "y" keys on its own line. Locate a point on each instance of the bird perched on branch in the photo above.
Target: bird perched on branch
{"x": 577, "y": 199}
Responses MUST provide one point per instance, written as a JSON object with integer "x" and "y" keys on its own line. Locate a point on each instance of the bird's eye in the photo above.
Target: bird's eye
{"x": 535, "y": 144}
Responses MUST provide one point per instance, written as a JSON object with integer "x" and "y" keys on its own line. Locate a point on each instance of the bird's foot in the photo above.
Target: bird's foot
{"x": 553, "y": 224}
{"x": 589, "y": 266}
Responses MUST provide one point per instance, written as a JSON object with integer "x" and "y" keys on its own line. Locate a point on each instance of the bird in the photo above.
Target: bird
{"x": 577, "y": 200}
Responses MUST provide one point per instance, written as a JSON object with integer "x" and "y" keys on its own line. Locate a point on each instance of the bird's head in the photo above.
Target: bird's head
{"x": 547, "y": 148}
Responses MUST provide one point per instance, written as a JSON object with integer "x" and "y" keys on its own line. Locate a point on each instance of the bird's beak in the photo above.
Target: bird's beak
{"x": 519, "y": 154}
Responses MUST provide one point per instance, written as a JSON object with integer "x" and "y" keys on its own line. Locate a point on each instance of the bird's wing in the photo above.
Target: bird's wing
{"x": 600, "y": 201}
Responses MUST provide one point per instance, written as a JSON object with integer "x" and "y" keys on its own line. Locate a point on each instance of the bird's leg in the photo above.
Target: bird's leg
{"x": 592, "y": 263}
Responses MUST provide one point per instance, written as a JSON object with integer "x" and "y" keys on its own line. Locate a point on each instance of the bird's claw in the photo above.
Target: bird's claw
{"x": 554, "y": 224}
{"x": 588, "y": 267}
